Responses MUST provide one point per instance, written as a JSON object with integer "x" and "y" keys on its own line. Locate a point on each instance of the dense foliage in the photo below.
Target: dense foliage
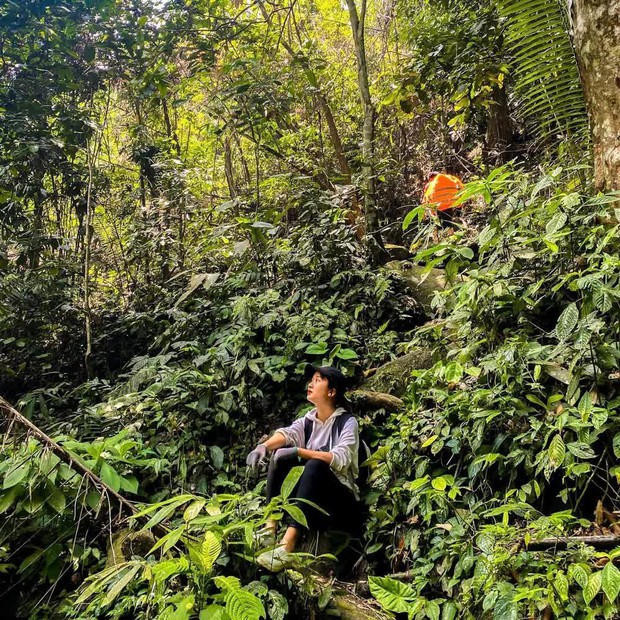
{"x": 188, "y": 216}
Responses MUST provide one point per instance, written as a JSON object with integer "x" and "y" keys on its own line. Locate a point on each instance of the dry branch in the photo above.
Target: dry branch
{"x": 604, "y": 541}
{"x": 14, "y": 417}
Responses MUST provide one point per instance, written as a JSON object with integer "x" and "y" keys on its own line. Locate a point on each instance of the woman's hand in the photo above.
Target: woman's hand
{"x": 257, "y": 456}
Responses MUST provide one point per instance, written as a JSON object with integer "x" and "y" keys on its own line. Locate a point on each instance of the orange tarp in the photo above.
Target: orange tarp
{"x": 440, "y": 192}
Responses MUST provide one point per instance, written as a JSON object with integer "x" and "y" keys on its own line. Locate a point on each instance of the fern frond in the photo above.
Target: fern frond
{"x": 546, "y": 75}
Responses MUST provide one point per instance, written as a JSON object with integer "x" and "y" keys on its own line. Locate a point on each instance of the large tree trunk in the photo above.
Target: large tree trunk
{"x": 596, "y": 31}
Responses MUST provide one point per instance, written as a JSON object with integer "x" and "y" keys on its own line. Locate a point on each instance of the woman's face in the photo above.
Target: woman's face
{"x": 319, "y": 390}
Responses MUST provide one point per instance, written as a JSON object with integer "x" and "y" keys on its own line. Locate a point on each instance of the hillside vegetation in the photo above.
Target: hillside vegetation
{"x": 199, "y": 198}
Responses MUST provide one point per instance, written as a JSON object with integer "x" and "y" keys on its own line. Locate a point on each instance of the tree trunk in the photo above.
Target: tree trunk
{"x": 596, "y": 32}
{"x": 357, "y": 20}
{"x": 228, "y": 169}
{"x": 499, "y": 128}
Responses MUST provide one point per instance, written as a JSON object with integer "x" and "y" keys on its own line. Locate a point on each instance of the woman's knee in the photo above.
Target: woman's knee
{"x": 315, "y": 466}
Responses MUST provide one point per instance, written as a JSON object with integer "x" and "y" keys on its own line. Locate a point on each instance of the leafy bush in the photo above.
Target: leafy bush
{"x": 512, "y": 436}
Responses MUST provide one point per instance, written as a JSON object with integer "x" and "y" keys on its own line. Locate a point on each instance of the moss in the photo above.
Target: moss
{"x": 393, "y": 377}
{"x": 421, "y": 286}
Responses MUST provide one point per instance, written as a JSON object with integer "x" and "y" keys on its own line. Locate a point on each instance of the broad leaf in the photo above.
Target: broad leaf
{"x": 15, "y": 476}
{"x": 610, "y": 581}
{"x": 243, "y": 605}
{"x": 393, "y": 595}
{"x": 593, "y": 586}
{"x": 290, "y": 481}
{"x": 567, "y": 322}
{"x": 557, "y": 451}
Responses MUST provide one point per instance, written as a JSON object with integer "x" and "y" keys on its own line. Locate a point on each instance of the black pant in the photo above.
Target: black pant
{"x": 318, "y": 484}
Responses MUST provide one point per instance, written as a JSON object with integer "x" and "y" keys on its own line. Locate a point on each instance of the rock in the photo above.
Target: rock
{"x": 127, "y": 543}
{"x": 348, "y": 606}
{"x": 392, "y": 378}
{"x": 340, "y": 599}
{"x": 421, "y": 286}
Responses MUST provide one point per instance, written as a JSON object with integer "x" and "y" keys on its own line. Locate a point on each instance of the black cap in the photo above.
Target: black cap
{"x": 336, "y": 379}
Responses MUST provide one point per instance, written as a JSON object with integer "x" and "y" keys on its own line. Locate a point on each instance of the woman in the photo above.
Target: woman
{"x": 326, "y": 442}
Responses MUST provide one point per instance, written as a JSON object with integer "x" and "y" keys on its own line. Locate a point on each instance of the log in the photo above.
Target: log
{"x": 371, "y": 401}
{"x": 605, "y": 541}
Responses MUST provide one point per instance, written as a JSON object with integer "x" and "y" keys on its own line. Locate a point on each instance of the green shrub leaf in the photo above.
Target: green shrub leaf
{"x": 393, "y": 595}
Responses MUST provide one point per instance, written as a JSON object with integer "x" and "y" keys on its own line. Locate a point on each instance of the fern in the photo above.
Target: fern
{"x": 546, "y": 73}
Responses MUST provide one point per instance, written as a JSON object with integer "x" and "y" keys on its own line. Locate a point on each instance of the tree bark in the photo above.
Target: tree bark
{"x": 228, "y": 169}
{"x": 499, "y": 127}
{"x": 357, "y": 20}
{"x": 596, "y": 32}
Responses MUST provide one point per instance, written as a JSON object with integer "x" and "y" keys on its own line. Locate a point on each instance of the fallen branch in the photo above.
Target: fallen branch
{"x": 604, "y": 541}
{"x": 14, "y": 417}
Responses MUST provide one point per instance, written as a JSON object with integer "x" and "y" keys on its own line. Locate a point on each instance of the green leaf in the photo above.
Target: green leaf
{"x": 581, "y": 450}
{"x": 193, "y": 510}
{"x": 610, "y": 581}
{"x": 585, "y": 405}
{"x": 57, "y": 500}
{"x": 579, "y": 574}
{"x": 124, "y": 580}
{"x": 416, "y": 212}
{"x": 439, "y": 484}
{"x": 505, "y": 609}
{"x": 129, "y": 484}
{"x": 110, "y": 477}
{"x": 227, "y": 583}
{"x": 432, "y": 610}
{"x": 290, "y": 481}
{"x": 15, "y": 476}
{"x": 560, "y": 583}
{"x": 319, "y": 348}
{"x": 8, "y": 499}
{"x": 296, "y": 513}
{"x": 393, "y": 595}
{"x": 556, "y": 222}
{"x": 243, "y": 605}
{"x": 453, "y": 372}
{"x": 277, "y": 605}
{"x": 213, "y": 612}
{"x": 557, "y": 451}
{"x": 347, "y": 354}
{"x": 449, "y": 611}
{"x": 593, "y": 586}
{"x": 217, "y": 456}
{"x": 205, "y": 554}
{"x": 567, "y": 322}
{"x": 429, "y": 441}
{"x": 168, "y": 541}
{"x": 616, "y": 445}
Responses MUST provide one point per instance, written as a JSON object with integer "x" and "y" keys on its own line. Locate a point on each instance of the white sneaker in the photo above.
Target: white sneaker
{"x": 276, "y": 559}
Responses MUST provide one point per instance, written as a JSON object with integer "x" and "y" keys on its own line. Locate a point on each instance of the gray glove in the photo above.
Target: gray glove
{"x": 257, "y": 456}
{"x": 284, "y": 453}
